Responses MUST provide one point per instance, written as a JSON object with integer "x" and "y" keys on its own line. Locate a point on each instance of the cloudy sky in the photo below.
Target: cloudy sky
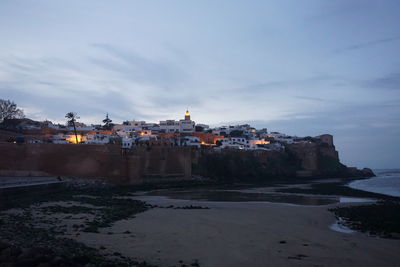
{"x": 299, "y": 67}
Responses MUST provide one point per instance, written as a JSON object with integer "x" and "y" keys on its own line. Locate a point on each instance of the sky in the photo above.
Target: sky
{"x": 299, "y": 67}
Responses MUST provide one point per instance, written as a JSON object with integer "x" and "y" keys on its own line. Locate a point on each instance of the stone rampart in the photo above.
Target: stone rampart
{"x": 96, "y": 161}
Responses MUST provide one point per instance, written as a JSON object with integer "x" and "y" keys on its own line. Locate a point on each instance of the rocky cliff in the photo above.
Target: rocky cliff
{"x": 315, "y": 158}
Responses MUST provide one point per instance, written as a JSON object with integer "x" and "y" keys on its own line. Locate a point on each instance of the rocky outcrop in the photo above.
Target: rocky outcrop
{"x": 245, "y": 166}
{"x": 367, "y": 172}
{"x": 317, "y": 159}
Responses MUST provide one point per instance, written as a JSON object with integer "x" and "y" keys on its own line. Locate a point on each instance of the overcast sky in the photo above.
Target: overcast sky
{"x": 298, "y": 67}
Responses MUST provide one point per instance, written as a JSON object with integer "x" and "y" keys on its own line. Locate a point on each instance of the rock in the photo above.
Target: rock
{"x": 367, "y": 172}
{"x": 56, "y": 261}
{"x": 26, "y": 262}
{"x": 3, "y": 246}
{"x": 11, "y": 252}
{"x": 4, "y": 258}
{"x": 27, "y": 254}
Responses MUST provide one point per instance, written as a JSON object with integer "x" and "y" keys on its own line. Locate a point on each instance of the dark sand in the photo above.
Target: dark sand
{"x": 242, "y": 234}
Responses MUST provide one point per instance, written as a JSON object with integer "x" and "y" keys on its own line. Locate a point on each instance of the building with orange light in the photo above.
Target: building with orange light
{"x": 182, "y": 126}
{"x": 207, "y": 138}
{"x": 242, "y": 142}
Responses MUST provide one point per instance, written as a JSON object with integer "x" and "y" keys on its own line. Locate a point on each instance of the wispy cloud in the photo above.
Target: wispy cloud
{"x": 368, "y": 44}
{"x": 51, "y": 87}
{"x": 311, "y": 98}
{"x": 159, "y": 72}
{"x": 389, "y": 81}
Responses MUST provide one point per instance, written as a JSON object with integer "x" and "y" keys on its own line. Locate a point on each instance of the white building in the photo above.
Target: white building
{"x": 127, "y": 142}
{"x": 242, "y": 143}
{"x": 246, "y": 130}
{"x": 182, "y": 126}
{"x": 60, "y": 139}
{"x": 170, "y": 126}
{"x": 191, "y": 141}
{"x": 97, "y": 138}
{"x": 153, "y": 127}
{"x": 127, "y": 131}
{"x": 280, "y": 137}
{"x": 137, "y": 126}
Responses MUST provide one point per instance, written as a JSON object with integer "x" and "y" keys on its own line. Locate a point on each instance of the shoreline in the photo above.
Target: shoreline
{"x": 379, "y": 184}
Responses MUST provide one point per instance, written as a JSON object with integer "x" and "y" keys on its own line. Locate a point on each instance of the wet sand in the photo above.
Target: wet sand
{"x": 241, "y": 234}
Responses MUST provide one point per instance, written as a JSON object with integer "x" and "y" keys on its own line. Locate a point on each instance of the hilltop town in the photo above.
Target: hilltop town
{"x": 140, "y": 152}
{"x": 183, "y": 132}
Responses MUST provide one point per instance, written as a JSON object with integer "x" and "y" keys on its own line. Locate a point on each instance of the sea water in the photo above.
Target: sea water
{"x": 387, "y": 181}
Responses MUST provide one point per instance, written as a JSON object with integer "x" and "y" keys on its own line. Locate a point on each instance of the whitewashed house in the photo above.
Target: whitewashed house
{"x": 182, "y": 126}
{"x": 127, "y": 142}
{"x": 60, "y": 139}
{"x": 192, "y": 141}
{"x": 98, "y": 138}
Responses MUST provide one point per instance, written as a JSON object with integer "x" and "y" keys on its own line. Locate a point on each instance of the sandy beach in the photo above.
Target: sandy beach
{"x": 202, "y": 226}
{"x": 241, "y": 234}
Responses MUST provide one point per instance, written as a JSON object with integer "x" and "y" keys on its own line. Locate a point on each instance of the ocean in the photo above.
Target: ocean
{"x": 387, "y": 181}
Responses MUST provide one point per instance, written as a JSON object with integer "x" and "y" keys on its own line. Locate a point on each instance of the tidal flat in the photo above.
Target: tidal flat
{"x": 196, "y": 225}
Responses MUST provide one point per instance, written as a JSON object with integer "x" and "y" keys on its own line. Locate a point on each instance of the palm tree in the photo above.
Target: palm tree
{"x": 72, "y": 117}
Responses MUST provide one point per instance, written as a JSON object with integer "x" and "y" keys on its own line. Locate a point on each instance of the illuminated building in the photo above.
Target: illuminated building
{"x": 187, "y": 115}
{"x": 182, "y": 126}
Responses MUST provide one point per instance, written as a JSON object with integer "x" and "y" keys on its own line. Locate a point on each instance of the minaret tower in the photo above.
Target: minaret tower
{"x": 187, "y": 115}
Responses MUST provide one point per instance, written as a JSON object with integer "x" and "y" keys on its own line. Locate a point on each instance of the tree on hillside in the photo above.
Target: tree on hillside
{"x": 9, "y": 110}
{"x": 72, "y": 117}
{"x": 107, "y": 123}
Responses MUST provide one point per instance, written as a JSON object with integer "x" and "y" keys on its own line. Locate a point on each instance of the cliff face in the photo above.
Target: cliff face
{"x": 315, "y": 158}
{"x": 245, "y": 166}
{"x": 320, "y": 159}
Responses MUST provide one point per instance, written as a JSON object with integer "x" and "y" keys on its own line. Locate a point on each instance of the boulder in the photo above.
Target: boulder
{"x": 3, "y": 245}
{"x": 367, "y": 172}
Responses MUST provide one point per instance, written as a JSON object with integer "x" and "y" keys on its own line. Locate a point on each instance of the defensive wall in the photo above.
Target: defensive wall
{"x": 146, "y": 164}
{"x": 310, "y": 156}
{"x": 97, "y": 161}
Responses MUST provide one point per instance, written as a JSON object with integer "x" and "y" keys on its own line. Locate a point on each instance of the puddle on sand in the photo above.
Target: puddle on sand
{"x": 235, "y": 196}
{"x": 355, "y": 200}
{"x": 339, "y": 227}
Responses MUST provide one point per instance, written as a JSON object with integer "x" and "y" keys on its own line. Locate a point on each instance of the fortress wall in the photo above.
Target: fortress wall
{"x": 166, "y": 161}
{"x": 307, "y": 153}
{"x": 329, "y": 152}
{"x": 96, "y": 161}
{"x": 91, "y": 161}
{"x": 310, "y": 154}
